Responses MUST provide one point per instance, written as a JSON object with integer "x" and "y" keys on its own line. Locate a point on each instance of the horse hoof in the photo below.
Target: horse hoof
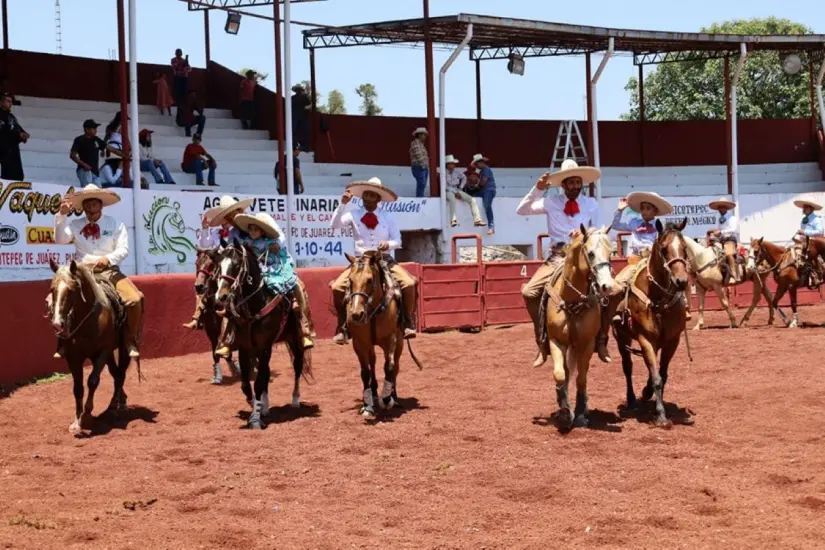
{"x": 388, "y": 402}
{"x": 256, "y": 425}
{"x": 688, "y": 421}
{"x": 217, "y": 381}
{"x": 367, "y": 413}
{"x": 581, "y": 421}
{"x": 564, "y": 419}
{"x": 296, "y": 403}
{"x": 664, "y": 423}
{"x": 86, "y": 421}
{"x": 74, "y": 427}
{"x": 698, "y": 327}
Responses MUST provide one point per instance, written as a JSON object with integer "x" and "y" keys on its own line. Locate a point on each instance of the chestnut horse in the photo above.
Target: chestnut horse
{"x": 206, "y": 285}
{"x": 88, "y": 317}
{"x": 765, "y": 258}
{"x": 374, "y": 319}
{"x": 261, "y": 320}
{"x": 654, "y": 314}
{"x": 573, "y": 318}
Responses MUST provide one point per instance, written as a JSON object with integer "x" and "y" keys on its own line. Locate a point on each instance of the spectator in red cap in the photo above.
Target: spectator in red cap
{"x": 148, "y": 162}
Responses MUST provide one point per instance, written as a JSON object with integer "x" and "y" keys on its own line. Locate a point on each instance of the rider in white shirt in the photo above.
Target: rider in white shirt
{"x": 727, "y": 235}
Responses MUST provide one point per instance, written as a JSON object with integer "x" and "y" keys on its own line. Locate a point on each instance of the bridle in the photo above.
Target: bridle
{"x": 670, "y": 294}
{"x": 370, "y": 294}
{"x": 592, "y": 284}
{"x": 239, "y": 311}
{"x": 70, "y": 314}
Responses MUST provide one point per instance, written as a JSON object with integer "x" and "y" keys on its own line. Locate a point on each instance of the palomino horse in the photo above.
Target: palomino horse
{"x": 706, "y": 268}
{"x": 654, "y": 314}
{"x": 262, "y": 319}
{"x": 373, "y": 319}
{"x": 573, "y": 318}
{"x": 206, "y": 285}
{"x": 89, "y": 319}
{"x": 764, "y": 258}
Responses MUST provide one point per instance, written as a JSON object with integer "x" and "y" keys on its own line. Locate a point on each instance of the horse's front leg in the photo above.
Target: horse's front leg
{"x": 299, "y": 355}
{"x": 623, "y": 341}
{"x": 583, "y": 365}
{"x": 390, "y": 350}
{"x": 757, "y": 294}
{"x": 246, "y": 374}
{"x": 654, "y": 379}
{"x": 792, "y": 291}
{"x": 700, "y": 297}
{"x": 76, "y": 368}
{"x": 722, "y": 293}
{"x": 363, "y": 352}
{"x": 93, "y": 382}
{"x": 260, "y": 400}
{"x": 561, "y": 375}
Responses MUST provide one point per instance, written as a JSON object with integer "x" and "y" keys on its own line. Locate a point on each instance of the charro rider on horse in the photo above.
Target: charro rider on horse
{"x": 727, "y": 236}
{"x": 372, "y": 229}
{"x": 565, "y": 213}
{"x": 810, "y": 226}
{"x": 101, "y": 243}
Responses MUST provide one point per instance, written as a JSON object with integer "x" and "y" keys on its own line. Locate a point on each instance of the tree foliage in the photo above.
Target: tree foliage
{"x": 695, "y": 90}
{"x": 368, "y": 95}
{"x": 335, "y": 103}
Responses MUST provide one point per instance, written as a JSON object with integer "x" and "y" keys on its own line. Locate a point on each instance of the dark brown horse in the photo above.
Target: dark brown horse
{"x": 206, "y": 285}
{"x": 261, "y": 320}
{"x": 654, "y": 315}
{"x": 765, "y": 258}
{"x": 374, "y": 319}
{"x": 88, "y": 318}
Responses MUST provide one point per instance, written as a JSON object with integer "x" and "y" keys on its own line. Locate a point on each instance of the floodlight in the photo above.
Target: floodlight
{"x": 233, "y": 23}
{"x": 516, "y": 64}
{"x": 791, "y": 64}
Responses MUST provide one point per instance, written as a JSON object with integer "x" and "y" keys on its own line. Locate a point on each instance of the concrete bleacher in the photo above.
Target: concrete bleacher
{"x": 246, "y": 159}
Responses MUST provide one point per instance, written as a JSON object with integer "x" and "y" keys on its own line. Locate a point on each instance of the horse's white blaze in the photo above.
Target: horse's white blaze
{"x": 226, "y": 263}
{"x": 57, "y": 316}
{"x": 601, "y": 262}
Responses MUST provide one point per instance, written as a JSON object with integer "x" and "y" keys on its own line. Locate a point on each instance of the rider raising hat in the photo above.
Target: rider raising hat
{"x": 811, "y": 224}
{"x": 372, "y": 229}
{"x": 727, "y": 233}
{"x": 565, "y": 213}
{"x": 101, "y": 243}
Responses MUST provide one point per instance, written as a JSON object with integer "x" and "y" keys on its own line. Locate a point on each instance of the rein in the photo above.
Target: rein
{"x": 369, "y": 295}
{"x": 584, "y": 301}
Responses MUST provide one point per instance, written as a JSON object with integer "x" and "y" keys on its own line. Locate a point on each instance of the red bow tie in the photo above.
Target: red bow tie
{"x": 571, "y": 208}
{"x": 223, "y": 233}
{"x": 646, "y": 227}
{"x": 370, "y": 220}
{"x": 91, "y": 231}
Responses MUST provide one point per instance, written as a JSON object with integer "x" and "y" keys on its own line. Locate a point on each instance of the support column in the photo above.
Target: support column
{"x": 478, "y": 106}
{"x": 593, "y": 85}
{"x": 290, "y": 169}
{"x": 279, "y": 98}
{"x": 819, "y": 99}
{"x": 5, "y": 27}
{"x": 206, "y": 39}
{"x": 313, "y": 115}
{"x": 642, "y": 113}
{"x": 589, "y": 141}
{"x": 812, "y": 95}
{"x": 134, "y": 126}
{"x": 428, "y": 66}
{"x": 123, "y": 83}
{"x": 734, "y": 129}
{"x": 728, "y": 143}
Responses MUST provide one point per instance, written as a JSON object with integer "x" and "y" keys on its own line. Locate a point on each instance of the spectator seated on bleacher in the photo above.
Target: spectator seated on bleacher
{"x": 196, "y": 159}
{"x": 86, "y": 151}
{"x": 456, "y": 181}
{"x": 298, "y": 180}
{"x": 191, "y": 114}
{"x": 148, "y": 162}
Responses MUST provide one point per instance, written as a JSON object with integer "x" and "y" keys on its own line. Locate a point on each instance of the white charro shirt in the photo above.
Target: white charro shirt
{"x": 113, "y": 242}
{"x": 729, "y": 224}
{"x": 364, "y": 237}
{"x": 559, "y": 224}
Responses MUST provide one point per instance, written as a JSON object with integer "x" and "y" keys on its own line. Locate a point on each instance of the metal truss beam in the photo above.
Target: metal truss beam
{"x": 655, "y": 58}
{"x": 481, "y": 54}
{"x": 201, "y": 5}
{"x": 345, "y": 40}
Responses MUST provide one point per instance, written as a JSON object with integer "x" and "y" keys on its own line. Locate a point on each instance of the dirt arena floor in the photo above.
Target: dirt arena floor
{"x": 471, "y": 461}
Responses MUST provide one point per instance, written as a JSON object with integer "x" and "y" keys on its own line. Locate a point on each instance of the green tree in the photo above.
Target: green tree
{"x": 335, "y": 103}
{"x": 695, "y": 90}
{"x": 259, "y": 77}
{"x": 368, "y": 96}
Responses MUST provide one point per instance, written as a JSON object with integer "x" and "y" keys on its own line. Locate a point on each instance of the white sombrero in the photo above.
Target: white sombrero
{"x": 266, "y": 222}
{"x": 92, "y": 191}
{"x": 227, "y": 205}
{"x": 805, "y": 202}
{"x": 420, "y": 130}
{"x": 571, "y": 169}
{"x": 635, "y": 200}
{"x": 449, "y": 159}
{"x": 722, "y": 201}
{"x": 477, "y": 157}
{"x": 357, "y": 188}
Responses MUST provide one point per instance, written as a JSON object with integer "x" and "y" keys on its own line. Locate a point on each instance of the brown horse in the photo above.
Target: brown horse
{"x": 765, "y": 258}
{"x": 89, "y": 319}
{"x": 374, "y": 319}
{"x": 573, "y": 318}
{"x": 654, "y": 314}
{"x": 261, "y": 320}
{"x": 206, "y": 285}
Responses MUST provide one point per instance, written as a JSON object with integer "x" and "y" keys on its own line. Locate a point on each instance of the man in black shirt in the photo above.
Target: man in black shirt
{"x": 298, "y": 180}
{"x": 85, "y": 153}
{"x": 300, "y": 116}
{"x": 11, "y": 136}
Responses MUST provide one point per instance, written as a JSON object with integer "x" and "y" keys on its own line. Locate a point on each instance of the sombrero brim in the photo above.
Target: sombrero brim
{"x": 221, "y": 213}
{"x": 108, "y": 198}
{"x": 357, "y": 188}
{"x": 588, "y": 174}
{"x": 635, "y": 200}
{"x": 243, "y": 221}
{"x": 482, "y": 159}
{"x": 801, "y": 203}
{"x": 730, "y": 205}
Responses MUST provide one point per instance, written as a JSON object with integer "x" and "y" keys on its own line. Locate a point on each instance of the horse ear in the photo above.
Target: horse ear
{"x": 583, "y": 229}
{"x": 760, "y": 240}
{"x": 236, "y": 243}
{"x": 223, "y": 242}
{"x": 73, "y": 267}
{"x": 349, "y": 258}
{"x": 659, "y": 227}
{"x": 682, "y": 224}
{"x": 53, "y": 265}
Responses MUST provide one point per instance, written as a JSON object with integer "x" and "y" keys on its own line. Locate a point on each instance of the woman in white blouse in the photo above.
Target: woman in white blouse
{"x": 148, "y": 162}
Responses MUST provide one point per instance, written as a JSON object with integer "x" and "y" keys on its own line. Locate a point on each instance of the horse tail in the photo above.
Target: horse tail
{"x": 414, "y": 358}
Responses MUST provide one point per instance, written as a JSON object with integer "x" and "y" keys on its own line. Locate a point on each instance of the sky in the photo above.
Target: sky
{"x": 551, "y": 88}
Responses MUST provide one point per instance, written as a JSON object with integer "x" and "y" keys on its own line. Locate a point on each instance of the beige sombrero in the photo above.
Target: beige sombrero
{"x": 420, "y": 130}
{"x": 571, "y": 169}
{"x": 477, "y": 157}
{"x": 263, "y": 220}
{"x": 227, "y": 205}
{"x": 92, "y": 191}
{"x": 449, "y": 159}
{"x": 357, "y": 188}
{"x": 799, "y": 203}
{"x": 722, "y": 201}
{"x": 635, "y": 200}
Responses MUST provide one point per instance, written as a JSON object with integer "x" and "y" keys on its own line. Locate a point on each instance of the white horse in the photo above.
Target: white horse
{"x": 707, "y": 274}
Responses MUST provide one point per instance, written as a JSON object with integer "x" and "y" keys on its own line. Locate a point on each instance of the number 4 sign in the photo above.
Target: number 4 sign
{"x": 524, "y": 271}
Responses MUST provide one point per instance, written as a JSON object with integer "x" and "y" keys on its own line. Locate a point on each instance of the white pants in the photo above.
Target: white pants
{"x": 466, "y": 198}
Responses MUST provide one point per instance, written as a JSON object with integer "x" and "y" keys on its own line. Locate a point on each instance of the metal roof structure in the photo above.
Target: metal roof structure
{"x": 201, "y": 5}
{"x": 498, "y": 37}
